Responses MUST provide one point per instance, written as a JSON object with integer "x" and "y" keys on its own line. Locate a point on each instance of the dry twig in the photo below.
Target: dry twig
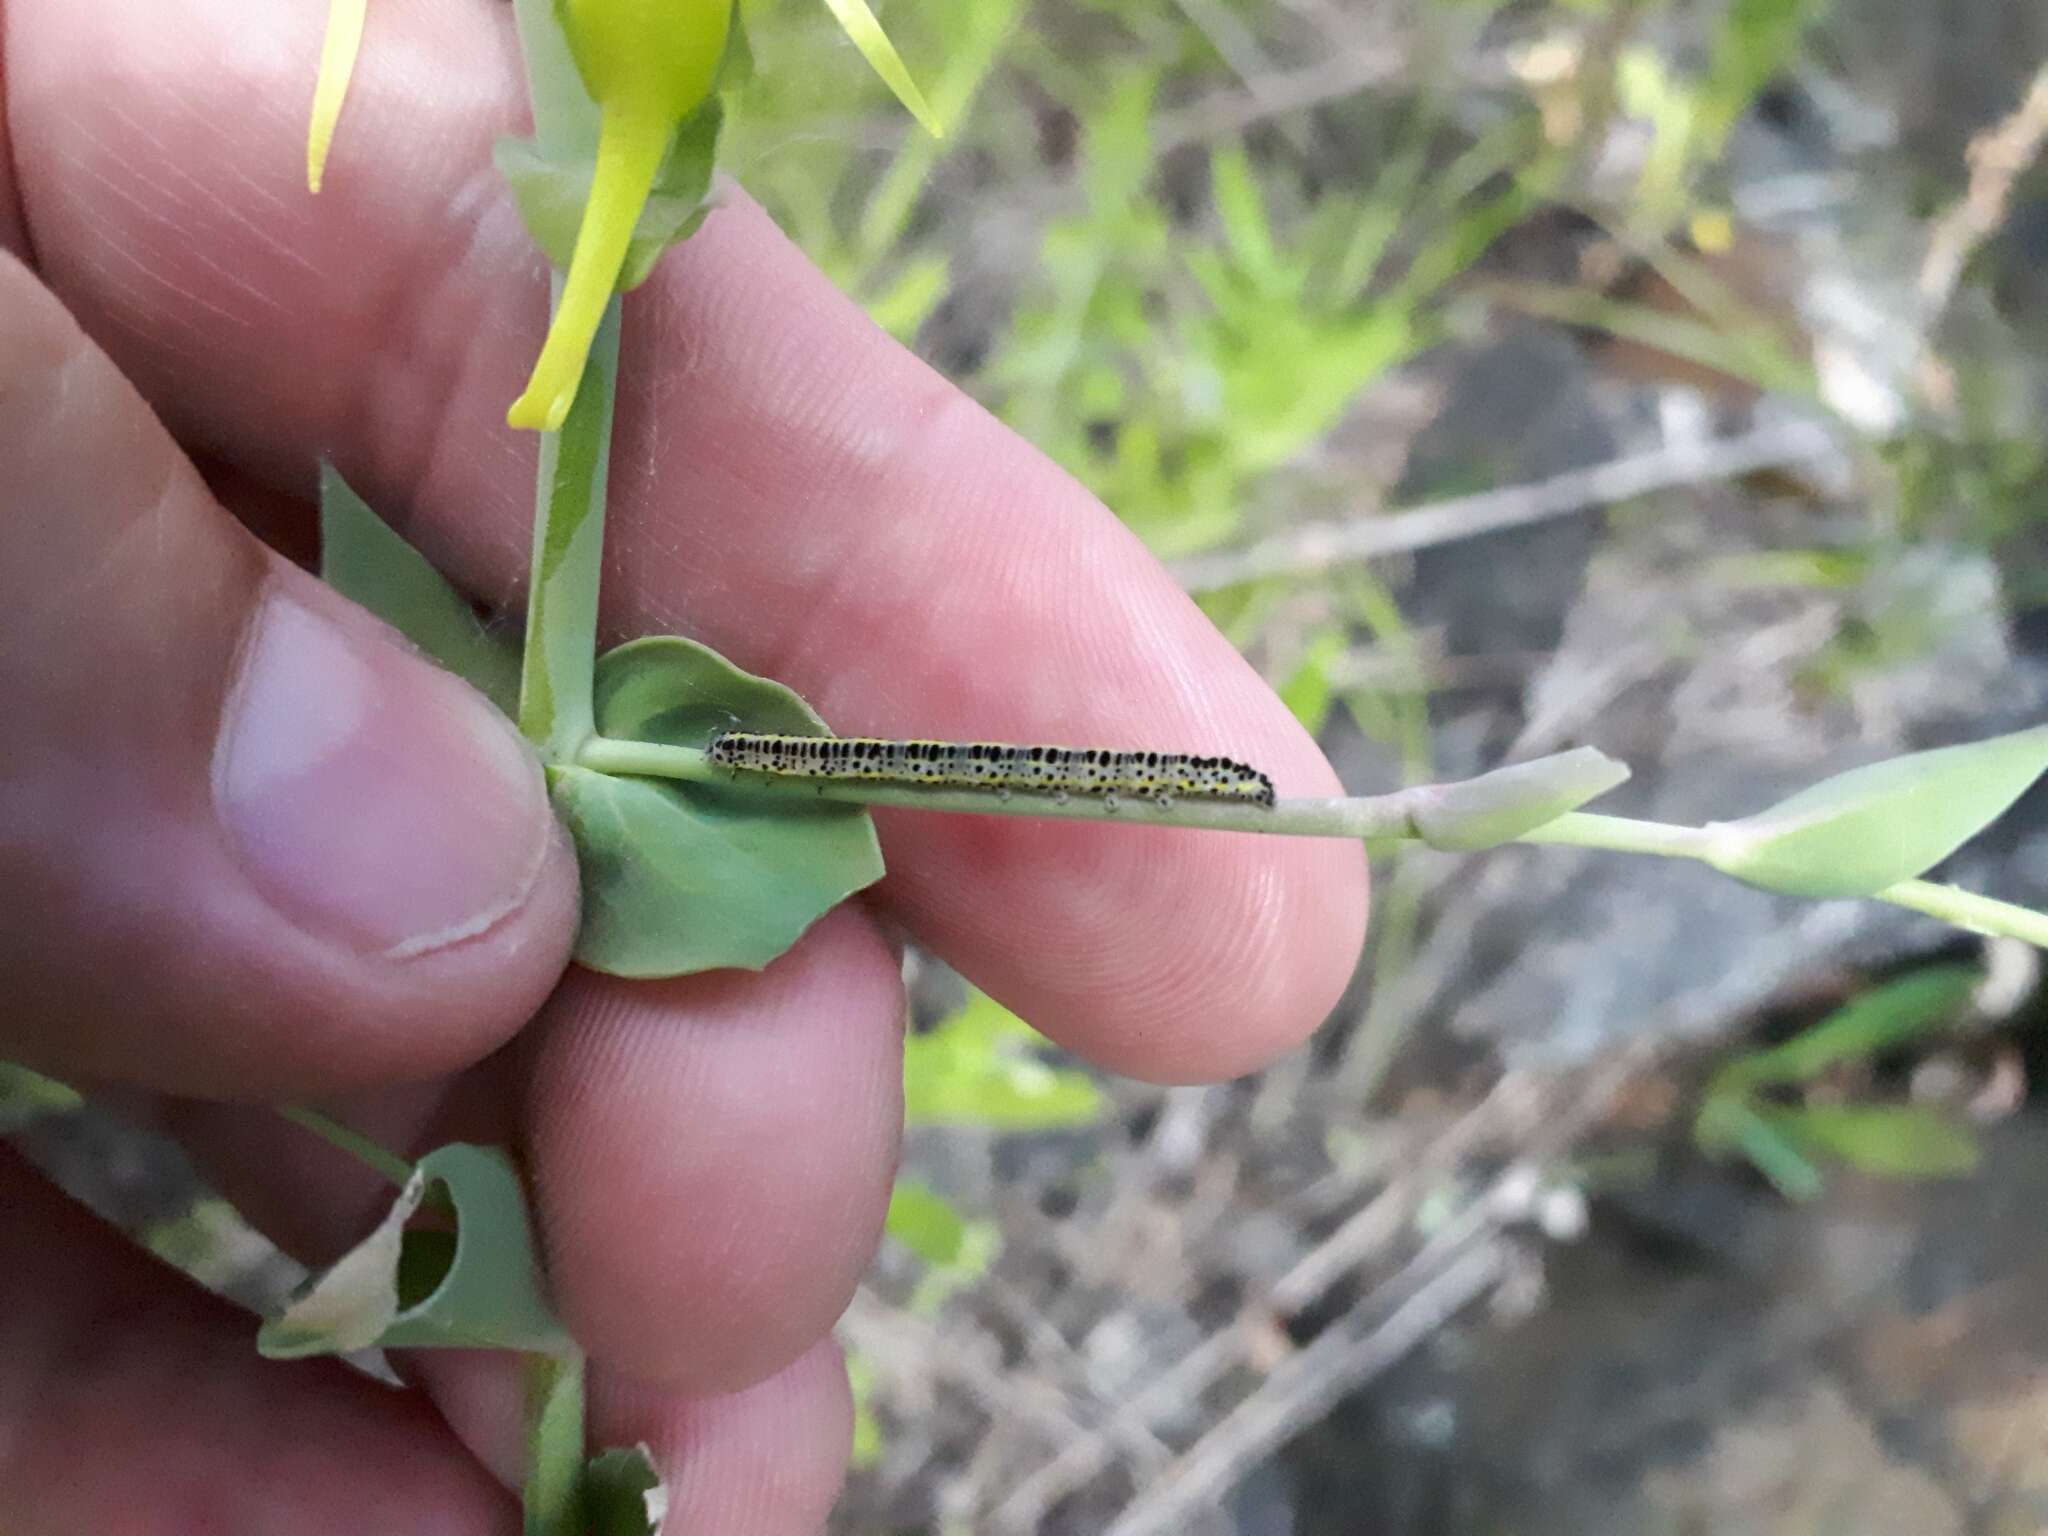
{"x": 1998, "y": 158}
{"x": 1336, "y": 1364}
{"x": 1300, "y": 551}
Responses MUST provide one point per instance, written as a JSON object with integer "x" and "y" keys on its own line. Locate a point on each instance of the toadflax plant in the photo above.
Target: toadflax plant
{"x": 714, "y": 814}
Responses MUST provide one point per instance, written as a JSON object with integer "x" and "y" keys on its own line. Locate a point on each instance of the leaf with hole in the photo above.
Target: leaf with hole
{"x": 624, "y": 1494}
{"x": 477, "y": 1287}
{"x": 685, "y": 877}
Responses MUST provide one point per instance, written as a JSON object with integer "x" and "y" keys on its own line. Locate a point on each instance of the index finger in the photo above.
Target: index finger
{"x": 788, "y": 485}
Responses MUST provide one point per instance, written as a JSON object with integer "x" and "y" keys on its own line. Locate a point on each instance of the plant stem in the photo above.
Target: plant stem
{"x": 354, "y": 1143}
{"x": 1621, "y": 834}
{"x": 1965, "y": 909}
{"x": 1392, "y": 817}
{"x": 557, "y": 675}
{"x": 555, "y": 709}
{"x": 568, "y": 533}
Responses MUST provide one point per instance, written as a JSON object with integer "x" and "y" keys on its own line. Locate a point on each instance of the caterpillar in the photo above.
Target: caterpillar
{"x": 1055, "y": 771}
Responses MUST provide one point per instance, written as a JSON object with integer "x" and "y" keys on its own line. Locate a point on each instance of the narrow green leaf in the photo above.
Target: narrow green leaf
{"x": 1729, "y": 1124}
{"x": 625, "y": 1494}
{"x": 551, "y": 194}
{"x": 1911, "y": 1007}
{"x": 684, "y": 877}
{"x": 1501, "y": 806}
{"x": 922, "y": 1221}
{"x": 1900, "y": 1141}
{"x": 860, "y": 25}
{"x": 1242, "y": 212}
{"x": 366, "y": 562}
{"x": 481, "y": 1288}
{"x": 1861, "y": 831}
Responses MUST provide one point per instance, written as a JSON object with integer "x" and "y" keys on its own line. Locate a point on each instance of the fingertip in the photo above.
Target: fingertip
{"x": 712, "y": 1156}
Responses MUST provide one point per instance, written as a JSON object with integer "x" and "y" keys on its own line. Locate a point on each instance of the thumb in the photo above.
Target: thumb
{"x": 251, "y": 843}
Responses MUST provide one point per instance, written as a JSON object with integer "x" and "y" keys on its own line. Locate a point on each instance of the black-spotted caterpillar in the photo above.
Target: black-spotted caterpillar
{"x": 986, "y": 765}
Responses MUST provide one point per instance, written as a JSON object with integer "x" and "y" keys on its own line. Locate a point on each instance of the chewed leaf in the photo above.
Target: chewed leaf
{"x": 551, "y": 194}
{"x": 686, "y": 877}
{"x": 1501, "y": 806}
{"x": 860, "y": 25}
{"x": 624, "y": 1494}
{"x": 365, "y": 561}
{"x": 1862, "y": 831}
{"x": 480, "y": 1287}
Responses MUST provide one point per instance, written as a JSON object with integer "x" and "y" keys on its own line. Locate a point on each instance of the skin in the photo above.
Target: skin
{"x": 711, "y": 1156}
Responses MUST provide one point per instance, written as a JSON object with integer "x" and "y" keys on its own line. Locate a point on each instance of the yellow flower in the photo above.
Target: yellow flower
{"x": 648, "y": 65}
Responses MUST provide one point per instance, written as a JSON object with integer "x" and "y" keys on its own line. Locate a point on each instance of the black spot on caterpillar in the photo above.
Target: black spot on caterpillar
{"x": 989, "y": 765}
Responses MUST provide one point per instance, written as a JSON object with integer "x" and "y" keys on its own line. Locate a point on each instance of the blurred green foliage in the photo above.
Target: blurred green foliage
{"x": 26, "y": 1096}
{"x": 1769, "y": 1107}
{"x": 982, "y": 1066}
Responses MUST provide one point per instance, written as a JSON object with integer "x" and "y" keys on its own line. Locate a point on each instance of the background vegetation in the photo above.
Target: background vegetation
{"x": 1744, "y": 341}
{"x": 1666, "y": 375}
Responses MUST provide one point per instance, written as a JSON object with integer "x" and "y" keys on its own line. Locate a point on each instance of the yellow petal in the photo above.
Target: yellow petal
{"x": 858, "y": 22}
{"x": 630, "y": 145}
{"x": 337, "y": 63}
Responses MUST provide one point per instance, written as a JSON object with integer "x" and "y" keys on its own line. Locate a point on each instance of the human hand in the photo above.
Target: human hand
{"x": 255, "y": 850}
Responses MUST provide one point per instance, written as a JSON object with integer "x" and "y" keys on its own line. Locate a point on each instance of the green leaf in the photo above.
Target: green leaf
{"x": 1900, "y": 1141}
{"x": 1913, "y": 1006}
{"x": 981, "y": 1067}
{"x": 1870, "y": 828}
{"x": 625, "y": 1494}
{"x": 1501, "y": 806}
{"x": 922, "y": 1221}
{"x": 551, "y": 194}
{"x": 684, "y": 877}
{"x": 480, "y": 1287}
{"x": 363, "y": 560}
